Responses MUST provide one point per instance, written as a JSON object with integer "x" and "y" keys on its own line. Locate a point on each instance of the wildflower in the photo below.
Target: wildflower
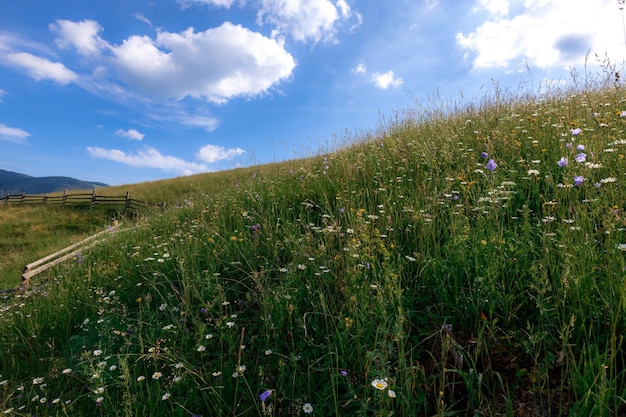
{"x": 622, "y": 113}
{"x": 99, "y": 390}
{"x": 379, "y": 384}
{"x": 391, "y": 393}
{"x": 157, "y": 375}
{"x": 563, "y": 162}
{"x": 533, "y": 172}
{"x": 580, "y": 147}
{"x": 230, "y": 324}
{"x": 491, "y": 165}
{"x": 343, "y": 373}
{"x": 484, "y": 155}
{"x": 179, "y": 365}
{"x": 622, "y": 247}
{"x": 201, "y": 348}
{"x": 265, "y": 395}
{"x": 37, "y": 381}
{"x": 140, "y": 378}
{"x": 607, "y": 180}
{"x": 177, "y": 379}
{"x": 268, "y": 352}
{"x": 576, "y": 132}
{"x": 578, "y": 180}
{"x": 99, "y": 400}
{"x": 581, "y": 157}
{"x": 165, "y": 396}
{"x": 97, "y": 352}
{"x": 216, "y": 373}
{"x": 307, "y": 408}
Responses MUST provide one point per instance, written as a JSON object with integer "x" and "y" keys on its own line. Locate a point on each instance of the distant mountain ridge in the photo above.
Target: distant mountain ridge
{"x": 16, "y": 183}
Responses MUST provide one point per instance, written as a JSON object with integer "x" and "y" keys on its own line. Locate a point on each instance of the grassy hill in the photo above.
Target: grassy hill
{"x": 464, "y": 261}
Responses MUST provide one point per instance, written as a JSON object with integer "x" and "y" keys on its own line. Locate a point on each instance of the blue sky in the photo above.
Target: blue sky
{"x": 126, "y": 91}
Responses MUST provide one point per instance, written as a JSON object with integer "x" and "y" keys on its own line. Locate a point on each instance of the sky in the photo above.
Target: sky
{"x": 127, "y": 91}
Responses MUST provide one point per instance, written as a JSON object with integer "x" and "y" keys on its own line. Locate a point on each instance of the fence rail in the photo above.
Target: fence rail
{"x": 79, "y": 198}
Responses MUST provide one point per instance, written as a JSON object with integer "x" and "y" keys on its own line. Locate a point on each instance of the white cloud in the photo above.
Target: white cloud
{"x": 216, "y": 65}
{"x": 2, "y": 92}
{"x": 495, "y": 7}
{"x": 142, "y": 18}
{"x": 83, "y": 36}
{"x": 213, "y": 153}
{"x": 556, "y": 33}
{"x": 13, "y": 134}
{"x": 130, "y": 134}
{"x": 149, "y": 158}
{"x": 305, "y": 20}
{"x": 205, "y": 122}
{"x": 359, "y": 69}
{"x": 386, "y": 80}
{"x": 219, "y": 3}
{"x": 39, "y": 68}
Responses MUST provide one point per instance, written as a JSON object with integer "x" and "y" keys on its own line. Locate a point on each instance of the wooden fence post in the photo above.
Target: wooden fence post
{"x": 64, "y": 197}
{"x": 45, "y": 198}
{"x": 127, "y": 200}
{"x": 23, "y": 197}
{"x": 93, "y": 197}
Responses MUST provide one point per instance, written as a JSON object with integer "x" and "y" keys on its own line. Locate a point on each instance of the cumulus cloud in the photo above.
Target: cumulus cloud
{"x": 305, "y": 20}
{"x": 213, "y": 153}
{"x": 39, "y": 68}
{"x": 556, "y": 33}
{"x": 359, "y": 69}
{"x": 148, "y": 158}
{"x": 495, "y": 7}
{"x": 386, "y": 80}
{"x": 215, "y": 65}
{"x": 152, "y": 158}
{"x": 13, "y": 134}
{"x": 130, "y": 134}
{"x": 219, "y": 3}
{"x": 83, "y": 36}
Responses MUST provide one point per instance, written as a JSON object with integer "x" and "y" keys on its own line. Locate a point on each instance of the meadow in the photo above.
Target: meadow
{"x": 463, "y": 259}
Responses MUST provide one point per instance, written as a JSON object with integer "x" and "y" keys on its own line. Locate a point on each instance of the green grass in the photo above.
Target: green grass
{"x": 399, "y": 260}
{"x": 31, "y": 232}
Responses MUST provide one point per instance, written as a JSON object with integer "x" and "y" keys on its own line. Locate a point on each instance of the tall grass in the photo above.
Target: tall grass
{"x": 443, "y": 265}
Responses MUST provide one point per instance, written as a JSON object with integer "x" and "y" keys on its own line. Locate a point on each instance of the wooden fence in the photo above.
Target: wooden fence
{"x": 43, "y": 264}
{"x": 79, "y": 198}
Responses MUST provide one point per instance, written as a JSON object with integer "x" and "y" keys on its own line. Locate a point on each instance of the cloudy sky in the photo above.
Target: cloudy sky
{"x": 122, "y": 91}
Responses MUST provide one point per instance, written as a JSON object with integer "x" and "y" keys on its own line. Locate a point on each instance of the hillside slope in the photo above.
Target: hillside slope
{"x": 453, "y": 263}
